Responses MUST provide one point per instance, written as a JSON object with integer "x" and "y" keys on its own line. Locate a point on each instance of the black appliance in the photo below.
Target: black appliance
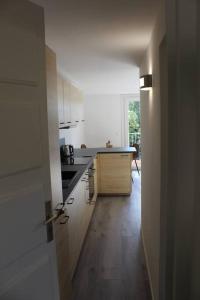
{"x": 91, "y": 173}
{"x": 66, "y": 151}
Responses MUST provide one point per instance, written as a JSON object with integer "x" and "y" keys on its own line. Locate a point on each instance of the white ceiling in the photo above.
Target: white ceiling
{"x": 99, "y": 43}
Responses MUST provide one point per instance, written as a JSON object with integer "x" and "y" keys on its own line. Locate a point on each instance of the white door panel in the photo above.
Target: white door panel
{"x": 26, "y": 207}
{"x": 22, "y": 280}
{"x": 20, "y": 33}
{"x": 27, "y": 261}
{"x": 22, "y": 141}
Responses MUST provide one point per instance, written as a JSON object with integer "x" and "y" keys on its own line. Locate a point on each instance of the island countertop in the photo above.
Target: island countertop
{"x": 94, "y": 151}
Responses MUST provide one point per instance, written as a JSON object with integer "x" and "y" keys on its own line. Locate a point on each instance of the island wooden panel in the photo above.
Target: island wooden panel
{"x": 114, "y": 173}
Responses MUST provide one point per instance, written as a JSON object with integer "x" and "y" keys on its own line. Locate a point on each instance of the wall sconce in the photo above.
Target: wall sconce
{"x": 146, "y": 82}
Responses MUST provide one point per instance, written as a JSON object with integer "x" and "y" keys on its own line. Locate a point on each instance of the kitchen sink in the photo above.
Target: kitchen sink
{"x": 68, "y": 174}
{"x": 67, "y": 177}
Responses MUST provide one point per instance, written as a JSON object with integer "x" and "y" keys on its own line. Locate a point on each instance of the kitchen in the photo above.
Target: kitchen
{"x": 86, "y": 173}
{"x": 48, "y": 188}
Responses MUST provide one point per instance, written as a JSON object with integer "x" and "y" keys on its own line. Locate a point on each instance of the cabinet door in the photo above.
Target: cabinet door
{"x": 74, "y": 105}
{"x": 75, "y": 205}
{"x": 81, "y": 106}
{"x": 60, "y": 89}
{"x": 115, "y": 173}
{"x": 63, "y": 259}
{"x": 85, "y": 218}
{"x": 72, "y": 211}
{"x": 95, "y": 178}
{"x": 67, "y": 102}
{"x": 77, "y": 112}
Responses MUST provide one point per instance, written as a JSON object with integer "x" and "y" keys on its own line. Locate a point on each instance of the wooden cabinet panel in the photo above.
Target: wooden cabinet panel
{"x": 72, "y": 206}
{"x": 70, "y": 102}
{"x": 67, "y": 101}
{"x": 76, "y": 104}
{"x": 80, "y": 211}
{"x": 114, "y": 173}
{"x": 60, "y": 91}
{"x": 63, "y": 259}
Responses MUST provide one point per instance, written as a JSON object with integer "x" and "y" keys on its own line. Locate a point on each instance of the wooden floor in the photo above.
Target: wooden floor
{"x": 111, "y": 266}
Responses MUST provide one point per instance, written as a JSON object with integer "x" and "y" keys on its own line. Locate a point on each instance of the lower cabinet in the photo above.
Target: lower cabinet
{"x": 62, "y": 250}
{"x": 114, "y": 173}
{"x": 79, "y": 209}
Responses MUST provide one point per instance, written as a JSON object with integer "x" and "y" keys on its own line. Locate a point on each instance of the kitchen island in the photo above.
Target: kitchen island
{"x": 113, "y": 169}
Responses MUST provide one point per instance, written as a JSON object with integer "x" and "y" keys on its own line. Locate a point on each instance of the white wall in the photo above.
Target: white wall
{"x": 103, "y": 117}
{"x": 151, "y": 157}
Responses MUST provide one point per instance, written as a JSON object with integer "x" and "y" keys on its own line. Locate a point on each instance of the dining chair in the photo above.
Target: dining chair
{"x": 136, "y": 155}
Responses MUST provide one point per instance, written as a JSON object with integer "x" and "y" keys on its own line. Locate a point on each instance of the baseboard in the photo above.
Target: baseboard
{"x": 147, "y": 265}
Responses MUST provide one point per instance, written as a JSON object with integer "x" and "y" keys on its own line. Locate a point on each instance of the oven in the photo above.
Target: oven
{"x": 91, "y": 175}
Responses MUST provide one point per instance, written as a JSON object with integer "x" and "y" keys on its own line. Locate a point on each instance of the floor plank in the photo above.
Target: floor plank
{"x": 111, "y": 265}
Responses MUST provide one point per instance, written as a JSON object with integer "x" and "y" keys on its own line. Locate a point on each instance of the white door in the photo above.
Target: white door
{"x": 27, "y": 253}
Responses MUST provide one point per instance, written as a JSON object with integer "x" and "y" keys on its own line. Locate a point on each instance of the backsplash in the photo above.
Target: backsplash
{"x": 74, "y": 136}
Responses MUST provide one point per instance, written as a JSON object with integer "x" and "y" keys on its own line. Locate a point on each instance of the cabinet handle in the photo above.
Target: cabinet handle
{"x": 65, "y": 219}
{"x": 76, "y": 121}
{"x": 92, "y": 202}
{"x": 70, "y": 201}
{"x": 124, "y": 155}
{"x": 68, "y": 122}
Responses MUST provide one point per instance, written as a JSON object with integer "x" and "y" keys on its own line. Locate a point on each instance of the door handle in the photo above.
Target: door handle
{"x": 53, "y": 218}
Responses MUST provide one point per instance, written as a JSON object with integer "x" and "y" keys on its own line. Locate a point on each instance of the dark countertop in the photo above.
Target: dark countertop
{"x": 80, "y": 169}
{"x": 93, "y": 151}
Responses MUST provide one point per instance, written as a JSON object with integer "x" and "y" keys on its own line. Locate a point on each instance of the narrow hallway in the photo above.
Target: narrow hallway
{"x": 111, "y": 266}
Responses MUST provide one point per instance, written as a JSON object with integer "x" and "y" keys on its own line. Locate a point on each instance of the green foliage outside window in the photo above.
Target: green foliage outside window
{"x": 134, "y": 116}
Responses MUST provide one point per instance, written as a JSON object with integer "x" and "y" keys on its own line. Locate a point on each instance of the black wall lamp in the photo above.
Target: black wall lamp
{"x": 146, "y": 82}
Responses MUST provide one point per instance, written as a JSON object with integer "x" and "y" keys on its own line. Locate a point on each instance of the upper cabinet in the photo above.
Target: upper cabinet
{"x": 60, "y": 99}
{"x": 70, "y": 103}
{"x": 67, "y": 102}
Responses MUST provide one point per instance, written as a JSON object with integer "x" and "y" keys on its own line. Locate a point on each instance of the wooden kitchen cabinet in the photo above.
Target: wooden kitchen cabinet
{"x": 67, "y": 102}
{"x": 79, "y": 211}
{"x": 70, "y": 102}
{"x": 76, "y": 104}
{"x": 60, "y": 92}
{"x": 114, "y": 173}
{"x": 62, "y": 251}
{"x": 73, "y": 211}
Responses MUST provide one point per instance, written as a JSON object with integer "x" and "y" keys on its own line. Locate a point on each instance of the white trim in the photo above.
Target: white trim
{"x": 124, "y": 116}
{"x": 147, "y": 265}
{"x": 122, "y": 122}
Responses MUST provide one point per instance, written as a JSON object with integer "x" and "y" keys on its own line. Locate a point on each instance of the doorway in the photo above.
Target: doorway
{"x": 132, "y": 124}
